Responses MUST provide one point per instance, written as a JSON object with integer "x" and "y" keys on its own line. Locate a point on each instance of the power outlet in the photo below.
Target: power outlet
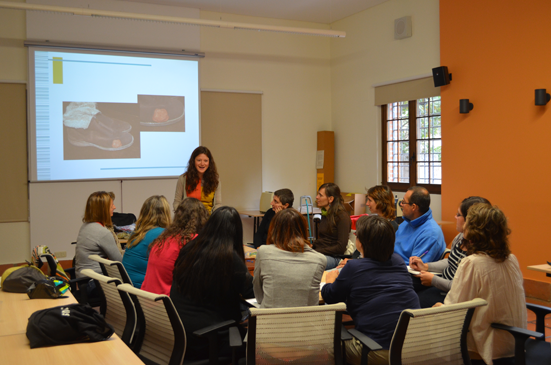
{"x": 60, "y": 254}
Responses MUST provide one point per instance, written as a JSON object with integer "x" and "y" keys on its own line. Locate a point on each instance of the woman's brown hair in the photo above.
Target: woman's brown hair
{"x": 486, "y": 230}
{"x": 190, "y": 216}
{"x": 155, "y": 213}
{"x": 337, "y": 205}
{"x": 384, "y": 198}
{"x": 210, "y": 177}
{"x": 98, "y": 209}
{"x": 288, "y": 231}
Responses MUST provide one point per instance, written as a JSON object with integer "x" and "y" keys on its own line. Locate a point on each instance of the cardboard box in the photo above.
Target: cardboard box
{"x": 354, "y": 203}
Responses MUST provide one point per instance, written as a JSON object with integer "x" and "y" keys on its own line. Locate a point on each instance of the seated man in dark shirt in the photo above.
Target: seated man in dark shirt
{"x": 283, "y": 199}
{"x": 376, "y": 288}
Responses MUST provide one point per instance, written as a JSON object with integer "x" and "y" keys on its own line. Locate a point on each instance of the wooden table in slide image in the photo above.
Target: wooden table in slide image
{"x": 256, "y": 214}
{"x": 546, "y": 268}
{"x": 16, "y": 308}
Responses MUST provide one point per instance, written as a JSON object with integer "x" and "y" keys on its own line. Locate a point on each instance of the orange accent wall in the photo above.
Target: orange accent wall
{"x": 498, "y": 53}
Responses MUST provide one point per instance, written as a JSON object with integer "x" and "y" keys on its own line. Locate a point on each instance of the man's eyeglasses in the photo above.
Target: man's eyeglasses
{"x": 403, "y": 202}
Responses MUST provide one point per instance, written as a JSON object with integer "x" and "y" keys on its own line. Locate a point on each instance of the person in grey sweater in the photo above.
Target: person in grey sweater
{"x": 94, "y": 237}
{"x": 436, "y": 287}
{"x": 287, "y": 270}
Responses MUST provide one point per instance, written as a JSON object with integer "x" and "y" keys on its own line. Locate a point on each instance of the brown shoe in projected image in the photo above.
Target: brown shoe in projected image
{"x": 99, "y": 135}
{"x": 160, "y": 110}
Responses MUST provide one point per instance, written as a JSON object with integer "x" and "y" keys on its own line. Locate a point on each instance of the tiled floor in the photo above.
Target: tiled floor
{"x": 532, "y": 324}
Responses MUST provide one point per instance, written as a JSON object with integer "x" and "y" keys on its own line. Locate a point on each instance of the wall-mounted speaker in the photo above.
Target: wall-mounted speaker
{"x": 441, "y": 76}
{"x": 402, "y": 27}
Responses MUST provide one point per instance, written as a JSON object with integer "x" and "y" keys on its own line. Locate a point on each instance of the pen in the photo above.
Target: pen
{"x": 423, "y": 254}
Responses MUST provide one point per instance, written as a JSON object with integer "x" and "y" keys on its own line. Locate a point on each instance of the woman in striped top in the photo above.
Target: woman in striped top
{"x": 438, "y": 286}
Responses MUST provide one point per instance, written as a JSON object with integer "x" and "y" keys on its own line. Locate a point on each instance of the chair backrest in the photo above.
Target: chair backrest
{"x": 119, "y": 310}
{"x": 114, "y": 269}
{"x": 433, "y": 335}
{"x": 164, "y": 338}
{"x": 445, "y": 254}
{"x": 298, "y": 335}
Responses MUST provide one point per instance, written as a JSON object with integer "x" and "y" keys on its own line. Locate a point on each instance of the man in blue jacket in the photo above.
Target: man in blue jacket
{"x": 419, "y": 234}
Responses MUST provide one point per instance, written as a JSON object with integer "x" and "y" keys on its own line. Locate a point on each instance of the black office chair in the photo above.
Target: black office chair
{"x": 162, "y": 336}
{"x": 79, "y": 288}
{"x": 529, "y": 351}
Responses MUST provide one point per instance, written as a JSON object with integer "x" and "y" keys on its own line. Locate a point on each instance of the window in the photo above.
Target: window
{"x": 412, "y": 144}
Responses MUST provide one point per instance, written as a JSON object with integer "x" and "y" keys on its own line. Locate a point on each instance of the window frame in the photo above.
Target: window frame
{"x": 412, "y": 120}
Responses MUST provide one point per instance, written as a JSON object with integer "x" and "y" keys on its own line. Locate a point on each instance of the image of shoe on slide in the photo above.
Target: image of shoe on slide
{"x": 160, "y": 110}
{"x": 86, "y": 125}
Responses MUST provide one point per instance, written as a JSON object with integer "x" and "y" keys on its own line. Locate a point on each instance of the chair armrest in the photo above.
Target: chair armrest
{"x": 520, "y": 335}
{"x": 540, "y": 312}
{"x": 235, "y": 337}
{"x": 517, "y": 332}
{"x": 215, "y": 327}
{"x": 345, "y": 335}
{"x": 71, "y": 272}
{"x": 366, "y": 341}
{"x": 211, "y": 332}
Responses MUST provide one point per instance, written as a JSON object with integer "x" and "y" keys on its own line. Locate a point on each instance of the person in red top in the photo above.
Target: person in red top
{"x": 189, "y": 218}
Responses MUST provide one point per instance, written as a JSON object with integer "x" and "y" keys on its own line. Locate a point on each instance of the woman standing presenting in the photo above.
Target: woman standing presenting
{"x": 335, "y": 224}
{"x": 200, "y": 181}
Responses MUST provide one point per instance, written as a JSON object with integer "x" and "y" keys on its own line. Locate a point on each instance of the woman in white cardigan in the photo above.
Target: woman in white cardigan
{"x": 491, "y": 272}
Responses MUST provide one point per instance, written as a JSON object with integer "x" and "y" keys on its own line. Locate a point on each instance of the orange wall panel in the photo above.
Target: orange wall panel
{"x": 498, "y": 53}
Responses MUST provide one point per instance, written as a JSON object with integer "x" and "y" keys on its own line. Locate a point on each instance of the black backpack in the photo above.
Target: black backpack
{"x": 67, "y": 324}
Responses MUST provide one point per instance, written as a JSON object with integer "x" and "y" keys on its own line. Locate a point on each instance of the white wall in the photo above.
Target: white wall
{"x": 293, "y": 72}
{"x": 370, "y": 55}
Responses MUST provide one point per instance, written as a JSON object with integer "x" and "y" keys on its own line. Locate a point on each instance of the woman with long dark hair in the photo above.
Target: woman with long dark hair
{"x": 155, "y": 216}
{"x": 335, "y": 224}
{"x": 94, "y": 237}
{"x": 436, "y": 287}
{"x": 210, "y": 277}
{"x": 491, "y": 272}
{"x": 189, "y": 218}
{"x": 200, "y": 181}
{"x": 287, "y": 272}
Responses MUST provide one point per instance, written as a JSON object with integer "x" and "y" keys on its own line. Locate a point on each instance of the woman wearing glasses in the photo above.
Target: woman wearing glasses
{"x": 491, "y": 272}
{"x": 436, "y": 287}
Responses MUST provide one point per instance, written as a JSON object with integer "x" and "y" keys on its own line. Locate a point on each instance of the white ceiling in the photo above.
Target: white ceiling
{"x": 318, "y": 11}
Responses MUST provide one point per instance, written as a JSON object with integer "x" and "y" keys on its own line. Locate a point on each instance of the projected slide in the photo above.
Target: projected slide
{"x": 100, "y": 116}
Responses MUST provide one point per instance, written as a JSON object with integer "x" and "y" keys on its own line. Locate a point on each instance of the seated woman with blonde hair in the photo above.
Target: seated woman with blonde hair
{"x": 287, "y": 270}
{"x": 155, "y": 216}
{"x": 189, "y": 218}
{"x": 491, "y": 272}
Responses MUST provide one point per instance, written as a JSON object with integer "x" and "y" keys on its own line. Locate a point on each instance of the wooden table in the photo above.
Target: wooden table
{"x": 250, "y": 258}
{"x": 16, "y": 308}
{"x": 256, "y": 214}
{"x": 542, "y": 268}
